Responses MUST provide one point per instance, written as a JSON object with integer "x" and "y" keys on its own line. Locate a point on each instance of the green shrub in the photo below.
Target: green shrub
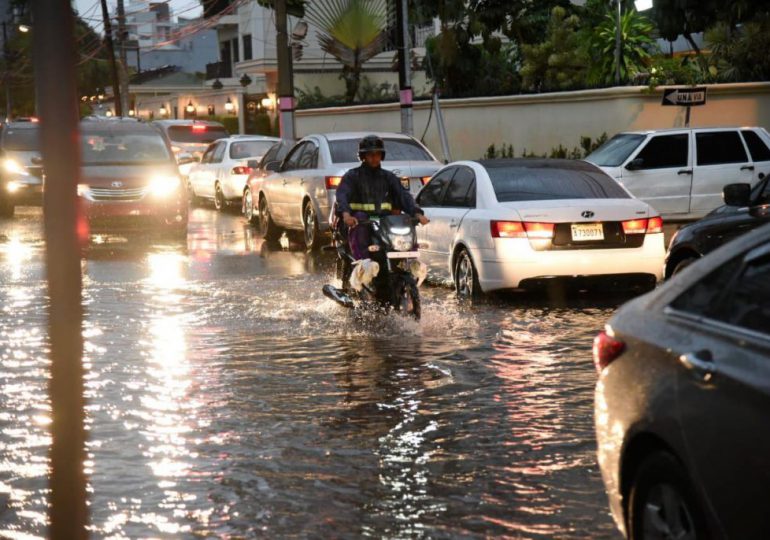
{"x": 587, "y": 145}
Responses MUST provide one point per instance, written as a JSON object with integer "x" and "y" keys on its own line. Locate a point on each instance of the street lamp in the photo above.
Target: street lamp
{"x": 245, "y": 80}
{"x": 24, "y": 28}
{"x": 267, "y": 103}
{"x": 229, "y": 106}
{"x": 163, "y": 110}
{"x": 217, "y": 84}
{"x": 190, "y": 107}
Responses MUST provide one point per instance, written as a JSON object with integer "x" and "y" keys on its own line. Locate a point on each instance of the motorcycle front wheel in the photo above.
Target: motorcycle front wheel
{"x": 407, "y": 298}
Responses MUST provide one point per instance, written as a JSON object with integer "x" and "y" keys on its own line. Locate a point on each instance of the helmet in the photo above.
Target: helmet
{"x": 370, "y": 143}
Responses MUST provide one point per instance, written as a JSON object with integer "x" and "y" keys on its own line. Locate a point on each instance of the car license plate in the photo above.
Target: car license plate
{"x": 585, "y": 232}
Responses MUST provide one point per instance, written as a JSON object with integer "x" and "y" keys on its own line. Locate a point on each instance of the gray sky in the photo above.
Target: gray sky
{"x": 92, "y": 11}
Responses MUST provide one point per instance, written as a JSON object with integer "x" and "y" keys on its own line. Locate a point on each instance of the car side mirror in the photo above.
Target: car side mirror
{"x": 737, "y": 194}
{"x": 252, "y": 164}
{"x": 184, "y": 158}
{"x": 36, "y": 160}
{"x": 635, "y": 164}
{"x": 273, "y": 166}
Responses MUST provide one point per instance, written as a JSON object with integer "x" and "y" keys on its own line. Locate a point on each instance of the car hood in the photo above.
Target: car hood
{"x": 130, "y": 176}
{"x": 568, "y": 210}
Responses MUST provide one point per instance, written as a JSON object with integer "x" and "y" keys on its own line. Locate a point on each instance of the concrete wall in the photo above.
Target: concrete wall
{"x": 541, "y": 122}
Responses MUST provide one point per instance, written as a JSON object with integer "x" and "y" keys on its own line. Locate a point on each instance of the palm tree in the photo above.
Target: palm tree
{"x": 352, "y": 31}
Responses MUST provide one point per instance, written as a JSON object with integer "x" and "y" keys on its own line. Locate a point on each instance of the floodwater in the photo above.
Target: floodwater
{"x": 227, "y": 398}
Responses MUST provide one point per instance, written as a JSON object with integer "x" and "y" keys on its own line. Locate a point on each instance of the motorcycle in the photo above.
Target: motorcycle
{"x": 394, "y": 248}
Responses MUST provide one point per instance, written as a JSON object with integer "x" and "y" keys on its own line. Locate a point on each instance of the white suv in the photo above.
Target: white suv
{"x": 681, "y": 172}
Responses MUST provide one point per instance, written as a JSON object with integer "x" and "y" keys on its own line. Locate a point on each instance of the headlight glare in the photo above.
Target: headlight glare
{"x": 83, "y": 190}
{"x": 12, "y": 187}
{"x": 162, "y": 186}
{"x": 13, "y": 167}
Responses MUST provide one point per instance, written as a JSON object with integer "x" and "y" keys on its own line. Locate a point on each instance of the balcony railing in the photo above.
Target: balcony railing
{"x": 219, "y": 70}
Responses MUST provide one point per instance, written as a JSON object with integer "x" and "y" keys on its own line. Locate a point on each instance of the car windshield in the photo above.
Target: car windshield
{"x": 346, "y": 150}
{"x": 539, "y": 183}
{"x": 199, "y": 133}
{"x": 104, "y": 148}
{"x": 615, "y": 151}
{"x": 21, "y": 140}
{"x": 249, "y": 149}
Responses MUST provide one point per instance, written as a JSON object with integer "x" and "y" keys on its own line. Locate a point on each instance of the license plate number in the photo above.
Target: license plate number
{"x": 403, "y": 255}
{"x": 585, "y": 232}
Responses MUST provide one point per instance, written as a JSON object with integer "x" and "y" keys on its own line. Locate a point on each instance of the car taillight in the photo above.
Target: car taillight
{"x": 655, "y": 225}
{"x": 508, "y": 229}
{"x": 241, "y": 170}
{"x": 332, "y": 182}
{"x": 539, "y": 230}
{"x": 606, "y": 349}
{"x": 635, "y": 226}
{"x": 199, "y": 127}
{"x": 425, "y": 179}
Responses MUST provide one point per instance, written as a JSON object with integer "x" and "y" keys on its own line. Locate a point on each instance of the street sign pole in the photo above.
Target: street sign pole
{"x": 404, "y": 67}
{"x": 54, "y": 62}
{"x": 684, "y": 97}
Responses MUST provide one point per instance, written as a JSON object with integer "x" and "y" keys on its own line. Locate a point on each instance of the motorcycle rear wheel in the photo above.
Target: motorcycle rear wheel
{"x": 407, "y": 299}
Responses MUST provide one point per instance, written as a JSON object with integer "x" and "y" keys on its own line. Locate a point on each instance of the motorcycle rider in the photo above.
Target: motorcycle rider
{"x": 370, "y": 190}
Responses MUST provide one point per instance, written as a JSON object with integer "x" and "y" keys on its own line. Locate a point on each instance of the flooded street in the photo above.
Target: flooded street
{"x": 228, "y": 398}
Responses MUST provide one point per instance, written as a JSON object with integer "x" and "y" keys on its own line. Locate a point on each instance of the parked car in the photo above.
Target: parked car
{"x": 223, "y": 170}
{"x": 129, "y": 180}
{"x": 21, "y": 174}
{"x": 269, "y": 163}
{"x": 304, "y": 186}
{"x": 190, "y": 138}
{"x": 683, "y": 398}
{"x": 681, "y": 172}
{"x": 745, "y": 209}
{"x": 525, "y": 223}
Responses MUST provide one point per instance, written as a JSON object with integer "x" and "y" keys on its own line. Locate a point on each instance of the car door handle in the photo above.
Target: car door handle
{"x": 700, "y": 364}
{"x": 747, "y": 168}
{"x": 684, "y": 171}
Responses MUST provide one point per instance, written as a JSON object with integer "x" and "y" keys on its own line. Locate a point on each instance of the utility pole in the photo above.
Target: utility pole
{"x": 285, "y": 76}
{"x": 618, "y": 43}
{"x": 113, "y": 64}
{"x": 7, "y": 74}
{"x": 404, "y": 66}
{"x": 54, "y": 62}
{"x": 122, "y": 55}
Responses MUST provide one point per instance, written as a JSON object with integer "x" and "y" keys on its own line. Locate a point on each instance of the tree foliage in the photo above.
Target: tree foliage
{"x": 740, "y": 54}
{"x": 637, "y": 44}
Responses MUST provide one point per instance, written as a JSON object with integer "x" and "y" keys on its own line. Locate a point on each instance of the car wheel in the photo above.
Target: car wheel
{"x": 312, "y": 235}
{"x": 466, "y": 278}
{"x": 662, "y": 504}
{"x": 681, "y": 265}
{"x": 7, "y": 209}
{"x": 248, "y": 207}
{"x": 269, "y": 229}
{"x": 219, "y": 198}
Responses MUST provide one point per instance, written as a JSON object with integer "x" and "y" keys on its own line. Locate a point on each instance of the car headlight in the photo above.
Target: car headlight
{"x": 83, "y": 190}
{"x": 13, "y": 167}
{"x": 162, "y": 186}
{"x": 12, "y": 187}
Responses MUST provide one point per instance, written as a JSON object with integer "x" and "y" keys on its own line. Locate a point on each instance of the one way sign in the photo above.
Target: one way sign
{"x": 688, "y": 97}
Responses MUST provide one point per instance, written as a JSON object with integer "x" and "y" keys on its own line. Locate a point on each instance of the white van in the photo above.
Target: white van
{"x": 681, "y": 172}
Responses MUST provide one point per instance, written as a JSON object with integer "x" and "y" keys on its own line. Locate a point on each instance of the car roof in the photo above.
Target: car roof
{"x": 21, "y": 125}
{"x": 251, "y": 138}
{"x": 117, "y": 127}
{"x": 666, "y": 130}
{"x": 187, "y": 123}
{"x": 538, "y": 163}
{"x": 343, "y": 135}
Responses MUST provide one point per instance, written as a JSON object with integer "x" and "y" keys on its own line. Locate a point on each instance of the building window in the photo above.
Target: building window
{"x": 236, "y": 56}
{"x": 247, "y": 47}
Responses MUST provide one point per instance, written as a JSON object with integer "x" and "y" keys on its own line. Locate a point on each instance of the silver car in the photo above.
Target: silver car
{"x": 683, "y": 400}
{"x": 304, "y": 186}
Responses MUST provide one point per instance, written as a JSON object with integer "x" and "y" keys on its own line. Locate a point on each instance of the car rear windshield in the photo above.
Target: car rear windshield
{"x": 249, "y": 149}
{"x": 615, "y": 151}
{"x": 201, "y": 134}
{"x": 346, "y": 150}
{"x": 21, "y": 140}
{"x": 537, "y": 184}
{"x": 105, "y": 148}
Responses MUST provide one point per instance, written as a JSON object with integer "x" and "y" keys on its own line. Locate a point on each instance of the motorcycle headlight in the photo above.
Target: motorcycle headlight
{"x": 401, "y": 242}
{"x": 12, "y": 186}
{"x": 14, "y": 167}
{"x": 162, "y": 186}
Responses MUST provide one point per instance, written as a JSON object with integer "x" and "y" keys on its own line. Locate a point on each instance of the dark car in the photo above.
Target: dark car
{"x": 270, "y": 162}
{"x": 745, "y": 209}
{"x": 683, "y": 400}
{"x": 21, "y": 173}
{"x": 130, "y": 180}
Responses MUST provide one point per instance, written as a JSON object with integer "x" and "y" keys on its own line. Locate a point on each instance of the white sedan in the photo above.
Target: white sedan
{"x": 224, "y": 168}
{"x": 525, "y": 223}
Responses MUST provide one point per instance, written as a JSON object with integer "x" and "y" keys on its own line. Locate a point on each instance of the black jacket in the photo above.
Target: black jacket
{"x": 375, "y": 191}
